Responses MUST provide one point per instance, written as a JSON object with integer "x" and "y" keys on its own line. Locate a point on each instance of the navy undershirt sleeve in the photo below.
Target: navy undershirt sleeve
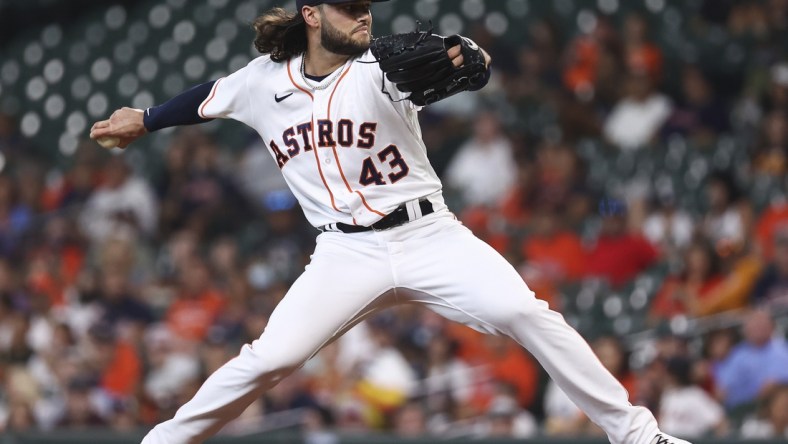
{"x": 182, "y": 109}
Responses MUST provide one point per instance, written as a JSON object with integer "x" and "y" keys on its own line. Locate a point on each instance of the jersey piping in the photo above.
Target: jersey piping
{"x": 317, "y": 159}
{"x": 208, "y": 100}
{"x": 334, "y": 149}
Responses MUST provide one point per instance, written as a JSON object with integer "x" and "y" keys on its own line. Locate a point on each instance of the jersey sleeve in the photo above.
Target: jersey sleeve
{"x": 229, "y": 98}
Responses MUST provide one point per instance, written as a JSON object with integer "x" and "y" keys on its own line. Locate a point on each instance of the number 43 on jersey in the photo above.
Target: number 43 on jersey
{"x": 370, "y": 175}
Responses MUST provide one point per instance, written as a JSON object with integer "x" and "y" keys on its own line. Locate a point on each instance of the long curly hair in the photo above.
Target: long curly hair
{"x": 280, "y": 33}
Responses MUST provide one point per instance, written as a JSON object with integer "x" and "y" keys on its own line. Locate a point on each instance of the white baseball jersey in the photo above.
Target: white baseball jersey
{"x": 349, "y": 152}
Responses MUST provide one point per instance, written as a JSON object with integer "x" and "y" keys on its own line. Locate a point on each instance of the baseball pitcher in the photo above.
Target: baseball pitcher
{"x": 337, "y": 110}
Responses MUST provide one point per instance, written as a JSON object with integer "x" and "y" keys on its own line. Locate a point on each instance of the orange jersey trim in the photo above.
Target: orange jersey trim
{"x": 206, "y": 102}
{"x": 314, "y": 149}
{"x": 290, "y": 74}
{"x": 334, "y": 149}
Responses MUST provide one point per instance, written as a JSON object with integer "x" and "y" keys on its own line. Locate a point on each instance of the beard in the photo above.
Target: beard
{"x": 333, "y": 40}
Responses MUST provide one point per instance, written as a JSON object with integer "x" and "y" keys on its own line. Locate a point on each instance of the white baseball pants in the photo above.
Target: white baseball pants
{"x": 434, "y": 261}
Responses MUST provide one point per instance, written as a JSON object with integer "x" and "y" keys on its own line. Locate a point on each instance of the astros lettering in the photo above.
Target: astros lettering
{"x": 330, "y": 134}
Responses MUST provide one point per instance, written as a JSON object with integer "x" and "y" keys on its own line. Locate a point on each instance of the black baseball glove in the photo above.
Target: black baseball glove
{"x": 418, "y": 63}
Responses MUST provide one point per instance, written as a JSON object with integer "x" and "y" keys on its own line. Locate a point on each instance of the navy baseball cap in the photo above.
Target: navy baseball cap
{"x": 301, "y": 3}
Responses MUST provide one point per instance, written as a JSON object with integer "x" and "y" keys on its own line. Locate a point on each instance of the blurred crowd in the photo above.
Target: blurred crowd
{"x": 121, "y": 290}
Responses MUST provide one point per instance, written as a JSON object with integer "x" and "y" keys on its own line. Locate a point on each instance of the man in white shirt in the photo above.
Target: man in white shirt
{"x": 638, "y": 116}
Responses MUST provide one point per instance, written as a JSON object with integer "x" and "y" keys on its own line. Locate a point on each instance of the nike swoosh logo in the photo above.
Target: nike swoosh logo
{"x": 279, "y": 99}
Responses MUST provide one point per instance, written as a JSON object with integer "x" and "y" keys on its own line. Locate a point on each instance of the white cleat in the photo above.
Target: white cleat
{"x": 664, "y": 438}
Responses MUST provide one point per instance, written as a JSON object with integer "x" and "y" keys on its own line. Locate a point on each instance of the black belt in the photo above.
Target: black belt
{"x": 394, "y": 219}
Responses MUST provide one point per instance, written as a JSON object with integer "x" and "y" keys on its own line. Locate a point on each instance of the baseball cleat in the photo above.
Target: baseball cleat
{"x": 664, "y": 438}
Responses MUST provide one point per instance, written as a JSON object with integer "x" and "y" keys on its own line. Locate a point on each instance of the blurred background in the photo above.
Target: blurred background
{"x": 628, "y": 158}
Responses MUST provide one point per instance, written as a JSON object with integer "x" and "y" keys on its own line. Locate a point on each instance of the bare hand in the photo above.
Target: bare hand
{"x": 455, "y": 54}
{"x": 125, "y": 124}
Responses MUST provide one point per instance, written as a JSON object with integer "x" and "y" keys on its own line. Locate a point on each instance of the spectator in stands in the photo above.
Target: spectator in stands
{"x": 766, "y": 89}
{"x": 505, "y": 418}
{"x": 667, "y": 226}
{"x": 748, "y": 19}
{"x": 80, "y": 411}
{"x": 174, "y": 255}
{"x": 551, "y": 248}
{"x": 778, "y": 75}
{"x": 30, "y": 177}
{"x": 20, "y": 418}
{"x": 410, "y": 420}
{"x": 210, "y": 203}
{"x": 449, "y": 380}
{"x": 471, "y": 170}
{"x": 686, "y": 410}
{"x": 20, "y": 393}
{"x": 169, "y": 372}
{"x": 387, "y": 380}
{"x": 78, "y": 182}
{"x": 216, "y": 350}
{"x": 62, "y": 244}
{"x": 52, "y": 369}
{"x": 772, "y": 420}
{"x": 319, "y": 427}
{"x": 169, "y": 183}
{"x": 120, "y": 306}
{"x": 113, "y": 361}
{"x": 562, "y": 182}
{"x": 772, "y": 220}
{"x": 14, "y": 330}
{"x": 756, "y": 366}
{"x": 701, "y": 115}
{"x": 724, "y": 222}
{"x": 771, "y": 153}
{"x": 610, "y": 351}
{"x": 330, "y": 378}
{"x": 12, "y": 302}
{"x": 681, "y": 294}
{"x": 7, "y": 314}
{"x": 740, "y": 267}
{"x": 508, "y": 364}
{"x": 640, "y": 54}
{"x": 592, "y": 66}
{"x": 123, "y": 205}
{"x": 198, "y": 302}
{"x": 638, "y": 116}
{"x": 582, "y": 57}
{"x": 291, "y": 394}
{"x": 259, "y": 174}
{"x": 520, "y": 200}
{"x": 16, "y": 219}
{"x": 616, "y": 254}
{"x": 771, "y": 289}
{"x": 288, "y": 237}
{"x": 717, "y": 345}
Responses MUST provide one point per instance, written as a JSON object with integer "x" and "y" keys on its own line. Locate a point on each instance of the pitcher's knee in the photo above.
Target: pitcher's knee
{"x": 273, "y": 363}
{"x": 527, "y": 312}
